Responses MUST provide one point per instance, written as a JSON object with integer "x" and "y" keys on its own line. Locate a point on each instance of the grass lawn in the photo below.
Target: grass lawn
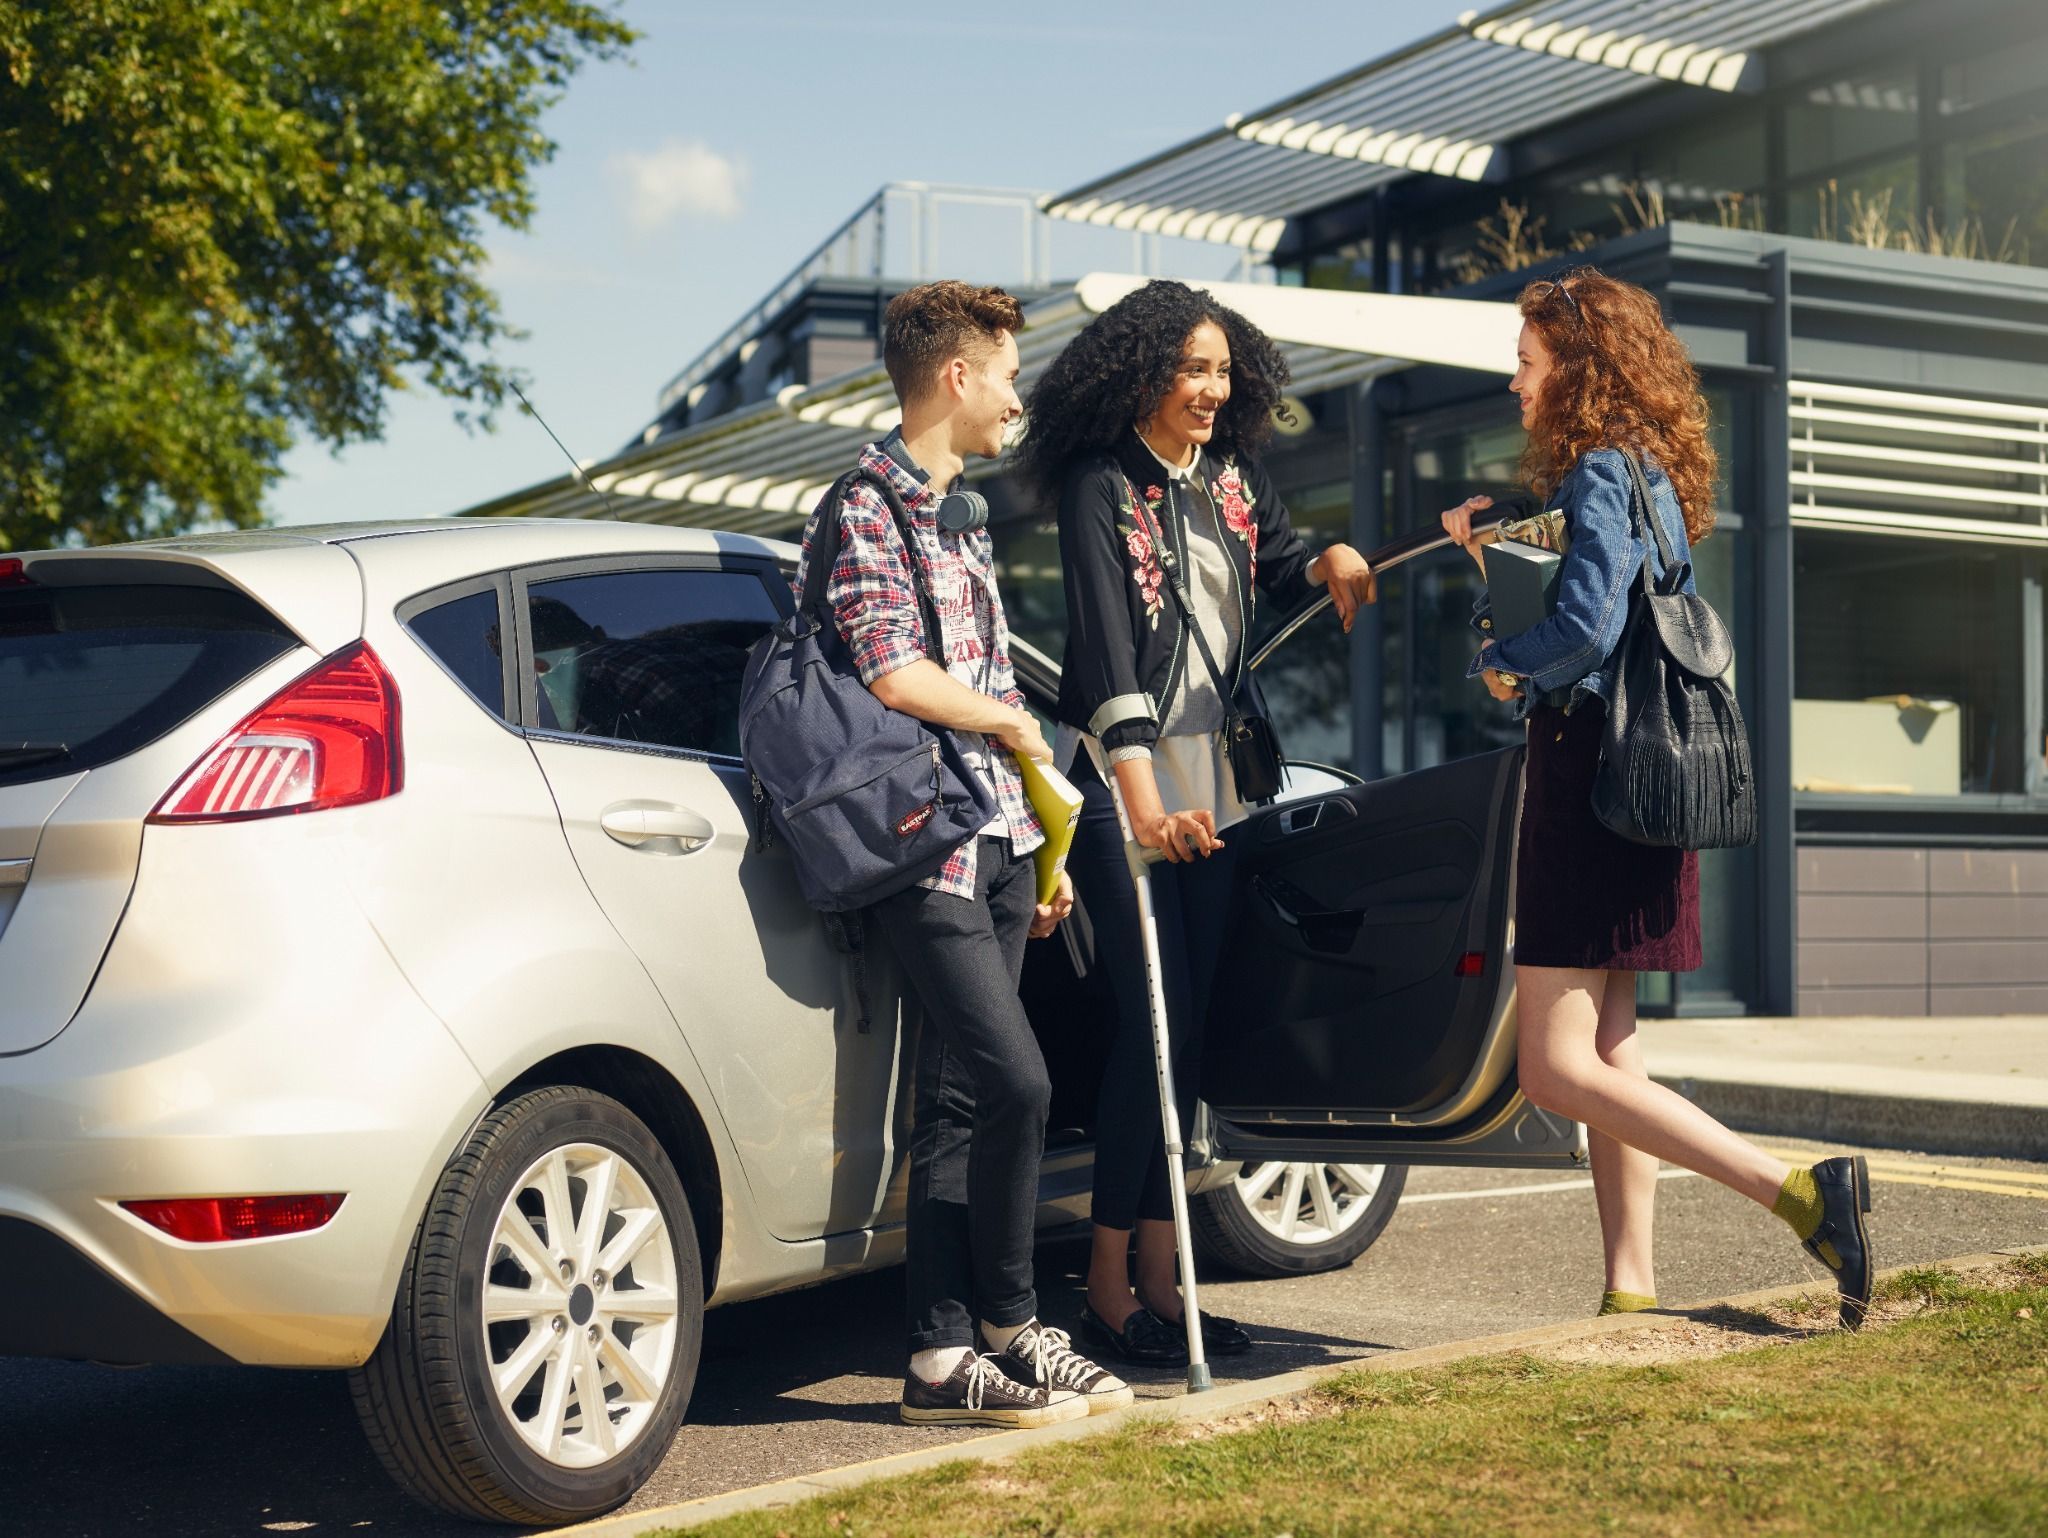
{"x": 1934, "y": 1423}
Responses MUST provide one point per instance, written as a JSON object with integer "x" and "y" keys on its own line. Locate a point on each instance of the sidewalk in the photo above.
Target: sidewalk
{"x": 1976, "y": 1085}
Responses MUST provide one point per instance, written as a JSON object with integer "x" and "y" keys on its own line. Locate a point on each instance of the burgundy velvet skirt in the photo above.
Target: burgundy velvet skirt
{"x": 1585, "y": 897}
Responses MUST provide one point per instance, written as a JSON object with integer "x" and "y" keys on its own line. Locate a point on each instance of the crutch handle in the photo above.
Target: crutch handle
{"x": 1137, "y": 856}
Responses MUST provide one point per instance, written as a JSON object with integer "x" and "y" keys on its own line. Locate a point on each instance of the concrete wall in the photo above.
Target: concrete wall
{"x": 1919, "y": 931}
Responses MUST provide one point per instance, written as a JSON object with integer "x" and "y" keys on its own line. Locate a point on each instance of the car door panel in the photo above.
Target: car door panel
{"x": 665, "y": 837}
{"x": 1366, "y": 1011}
{"x": 1352, "y": 929}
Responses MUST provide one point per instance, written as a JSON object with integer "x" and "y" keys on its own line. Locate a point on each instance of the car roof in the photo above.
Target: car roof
{"x": 319, "y": 577}
{"x": 577, "y": 535}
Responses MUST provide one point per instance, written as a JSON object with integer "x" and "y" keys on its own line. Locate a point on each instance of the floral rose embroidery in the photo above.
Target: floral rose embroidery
{"x": 1145, "y": 568}
{"x": 1235, "y": 501}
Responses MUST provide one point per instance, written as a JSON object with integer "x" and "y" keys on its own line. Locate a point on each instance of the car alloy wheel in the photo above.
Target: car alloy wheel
{"x": 579, "y": 1305}
{"x": 1279, "y": 1218}
{"x": 544, "y": 1340}
{"x": 1305, "y": 1204}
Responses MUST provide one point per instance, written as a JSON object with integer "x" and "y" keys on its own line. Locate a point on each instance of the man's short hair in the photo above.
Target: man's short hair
{"x": 928, "y": 326}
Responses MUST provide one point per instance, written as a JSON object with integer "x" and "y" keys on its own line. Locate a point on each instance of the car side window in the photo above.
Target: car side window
{"x": 463, "y": 636}
{"x": 652, "y": 657}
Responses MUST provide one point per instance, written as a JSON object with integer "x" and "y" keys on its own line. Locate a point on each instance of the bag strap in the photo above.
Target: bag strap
{"x": 825, "y": 547}
{"x": 1170, "y": 564}
{"x": 1640, "y": 482}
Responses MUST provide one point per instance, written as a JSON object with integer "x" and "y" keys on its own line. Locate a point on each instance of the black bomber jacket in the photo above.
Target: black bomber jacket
{"x": 1126, "y": 642}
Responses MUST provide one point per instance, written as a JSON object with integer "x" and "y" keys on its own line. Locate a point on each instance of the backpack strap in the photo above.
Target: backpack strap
{"x": 1642, "y": 499}
{"x": 826, "y": 543}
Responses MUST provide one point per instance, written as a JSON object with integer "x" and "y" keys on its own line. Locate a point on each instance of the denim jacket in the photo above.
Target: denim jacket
{"x": 1571, "y": 649}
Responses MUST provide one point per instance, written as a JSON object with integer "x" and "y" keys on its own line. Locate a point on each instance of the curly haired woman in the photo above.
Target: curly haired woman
{"x": 1601, "y": 376}
{"x": 1145, "y": 430}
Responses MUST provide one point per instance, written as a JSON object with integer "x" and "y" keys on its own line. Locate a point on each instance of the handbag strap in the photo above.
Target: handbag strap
{"x": 825, "y": 547}
{"x": 1170, "y": 564}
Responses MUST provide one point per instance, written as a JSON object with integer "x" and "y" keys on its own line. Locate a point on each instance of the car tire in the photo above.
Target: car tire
{"x": 1244, "y": 1224}
{"x": 474, "y": 1399}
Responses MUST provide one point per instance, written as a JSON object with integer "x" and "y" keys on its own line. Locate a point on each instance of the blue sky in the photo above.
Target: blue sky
{"x": 689, "y": 180}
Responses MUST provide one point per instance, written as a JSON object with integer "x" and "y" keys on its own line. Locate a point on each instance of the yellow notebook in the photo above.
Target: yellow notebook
{"x": 1058, "y": 805}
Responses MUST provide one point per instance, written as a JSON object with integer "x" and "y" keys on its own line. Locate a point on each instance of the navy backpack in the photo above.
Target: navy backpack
{"x": 868, "y": 800}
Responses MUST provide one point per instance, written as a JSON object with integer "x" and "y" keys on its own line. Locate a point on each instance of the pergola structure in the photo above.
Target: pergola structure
{"x": 1447, "y": 106}
{"x": 759, "y": 470}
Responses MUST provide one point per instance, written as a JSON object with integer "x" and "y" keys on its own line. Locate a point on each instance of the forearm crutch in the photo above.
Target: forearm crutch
{"x": 1139, "y": 858}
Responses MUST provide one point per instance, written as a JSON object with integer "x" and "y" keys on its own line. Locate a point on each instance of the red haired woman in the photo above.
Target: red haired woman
{"x": 1601, "y": 377}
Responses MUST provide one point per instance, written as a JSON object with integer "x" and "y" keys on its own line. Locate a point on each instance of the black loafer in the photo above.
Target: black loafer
{"x": 1220, "y": 1336}
{"x": 1842, "y": 1243}
{"x": 1145, "y": 1339}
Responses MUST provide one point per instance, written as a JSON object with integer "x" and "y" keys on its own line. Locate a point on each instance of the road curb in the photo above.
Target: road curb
{"x": 1219, "y": 1402}
{"x": 1914, "y": 1123}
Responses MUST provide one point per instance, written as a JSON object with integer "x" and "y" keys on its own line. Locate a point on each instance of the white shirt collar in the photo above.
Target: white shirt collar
{"x": 1187, "y": 472}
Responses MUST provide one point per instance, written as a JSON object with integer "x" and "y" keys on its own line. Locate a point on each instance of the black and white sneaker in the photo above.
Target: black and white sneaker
{"x": 1046, "y": 1358}
{"x": 978, "y": 1393}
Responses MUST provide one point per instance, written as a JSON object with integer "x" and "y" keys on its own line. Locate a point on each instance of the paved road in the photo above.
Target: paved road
{"x": 809, "y": 1381}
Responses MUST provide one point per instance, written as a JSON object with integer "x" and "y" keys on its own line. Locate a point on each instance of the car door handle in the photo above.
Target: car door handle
{"x": 656, "y": 828}
{"x": 1309, "y": 815}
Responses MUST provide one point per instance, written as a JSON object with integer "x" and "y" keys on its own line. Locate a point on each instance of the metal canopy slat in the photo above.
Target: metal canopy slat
{"x": 1481, "y": 84}
{"x": 762, "y": 471}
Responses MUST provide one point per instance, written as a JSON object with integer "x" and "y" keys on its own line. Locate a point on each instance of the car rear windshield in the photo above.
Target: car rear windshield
{"x": 91, "y": 673}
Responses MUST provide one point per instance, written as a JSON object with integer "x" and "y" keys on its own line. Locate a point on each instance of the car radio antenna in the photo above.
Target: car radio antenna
{"x": 573, "y": 465}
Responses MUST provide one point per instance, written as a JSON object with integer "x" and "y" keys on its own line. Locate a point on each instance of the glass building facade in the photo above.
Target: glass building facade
{"x": 1854, "y": 253}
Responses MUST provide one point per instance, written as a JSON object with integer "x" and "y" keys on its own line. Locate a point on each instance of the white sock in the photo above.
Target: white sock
{"x": 936, "y": 1365}
{"x": 999, "y": 1336}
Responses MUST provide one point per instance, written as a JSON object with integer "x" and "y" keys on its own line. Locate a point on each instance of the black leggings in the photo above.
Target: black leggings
{"x": 1192, "y": 903}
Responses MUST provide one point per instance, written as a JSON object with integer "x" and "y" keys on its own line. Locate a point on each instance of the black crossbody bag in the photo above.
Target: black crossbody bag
{"x": 1248, "y": 735}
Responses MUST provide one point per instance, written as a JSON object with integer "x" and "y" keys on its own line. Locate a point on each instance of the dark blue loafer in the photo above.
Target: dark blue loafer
{"x": 1842, "y": 1243}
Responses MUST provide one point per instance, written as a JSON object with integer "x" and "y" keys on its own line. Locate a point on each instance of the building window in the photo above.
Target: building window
{"x": 1906, "y": 667}
{"x": 2017, "y": 69}
{"x": 1994, "y": 192}
{"x": 1859, "y": 117}
{"x": 1448, "y": 715}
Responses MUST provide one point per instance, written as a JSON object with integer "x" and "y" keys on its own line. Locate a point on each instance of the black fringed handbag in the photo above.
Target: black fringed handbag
{"x": 1674, "y": 760}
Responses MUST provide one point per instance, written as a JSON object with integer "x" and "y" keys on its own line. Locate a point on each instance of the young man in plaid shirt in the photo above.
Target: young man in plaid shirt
{"x": 981, "y": 1090}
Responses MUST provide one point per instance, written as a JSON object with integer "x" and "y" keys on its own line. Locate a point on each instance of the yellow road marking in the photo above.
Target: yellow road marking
{"x": 1947, "y": 1177}
{"x": 2040, "y": 1193}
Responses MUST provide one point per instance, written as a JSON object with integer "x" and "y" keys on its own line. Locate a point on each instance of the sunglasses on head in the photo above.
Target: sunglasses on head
{"x": 1557, "y": 285}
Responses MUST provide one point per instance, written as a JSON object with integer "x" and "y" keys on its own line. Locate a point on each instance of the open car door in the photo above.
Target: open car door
{"x": 1365, "y": 1011}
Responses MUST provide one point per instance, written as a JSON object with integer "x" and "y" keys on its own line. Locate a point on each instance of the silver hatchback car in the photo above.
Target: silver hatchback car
{"x": 390, "y": 981}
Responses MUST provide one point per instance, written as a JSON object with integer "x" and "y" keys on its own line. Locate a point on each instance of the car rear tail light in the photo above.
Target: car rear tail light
{"x": 14, "y": 572}
{"x": 1471, "y": 964}
{"x": 331, "y": 739}
{"x": 219, "y": 1219}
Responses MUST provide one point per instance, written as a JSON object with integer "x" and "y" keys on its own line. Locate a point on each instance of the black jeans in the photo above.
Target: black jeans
{"x": 978, "y": 1103}
{"x": 1192, "y": 903}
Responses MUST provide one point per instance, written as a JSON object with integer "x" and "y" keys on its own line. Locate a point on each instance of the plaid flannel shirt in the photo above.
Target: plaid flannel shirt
{"x": 874, "y": 605}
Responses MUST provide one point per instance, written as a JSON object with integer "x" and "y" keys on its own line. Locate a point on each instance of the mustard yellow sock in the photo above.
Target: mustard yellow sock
{"x": 1625, "y": 1303}
{"x": 1799, "y": 1203}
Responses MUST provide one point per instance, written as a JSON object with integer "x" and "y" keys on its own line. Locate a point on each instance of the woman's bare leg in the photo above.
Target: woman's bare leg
{"x": 1109, "y": 1276}
{"x": 1562, "y": 1070}
{"x": 1158, "y": 1278}
{"x": 1624, "y": 1178}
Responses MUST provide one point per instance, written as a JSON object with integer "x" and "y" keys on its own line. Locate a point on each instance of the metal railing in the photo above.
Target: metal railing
{"x": 915, "y": 231}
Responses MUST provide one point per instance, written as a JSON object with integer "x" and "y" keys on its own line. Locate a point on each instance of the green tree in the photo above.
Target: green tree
{"x": 223, "y": 223}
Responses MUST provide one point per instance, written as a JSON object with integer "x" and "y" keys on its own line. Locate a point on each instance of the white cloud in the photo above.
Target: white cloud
{"x": 682, "y": 178}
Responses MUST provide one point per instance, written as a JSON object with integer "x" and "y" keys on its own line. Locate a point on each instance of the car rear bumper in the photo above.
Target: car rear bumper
{"x": 54, "y": 1301}
{"x": 250, "y": 1037}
